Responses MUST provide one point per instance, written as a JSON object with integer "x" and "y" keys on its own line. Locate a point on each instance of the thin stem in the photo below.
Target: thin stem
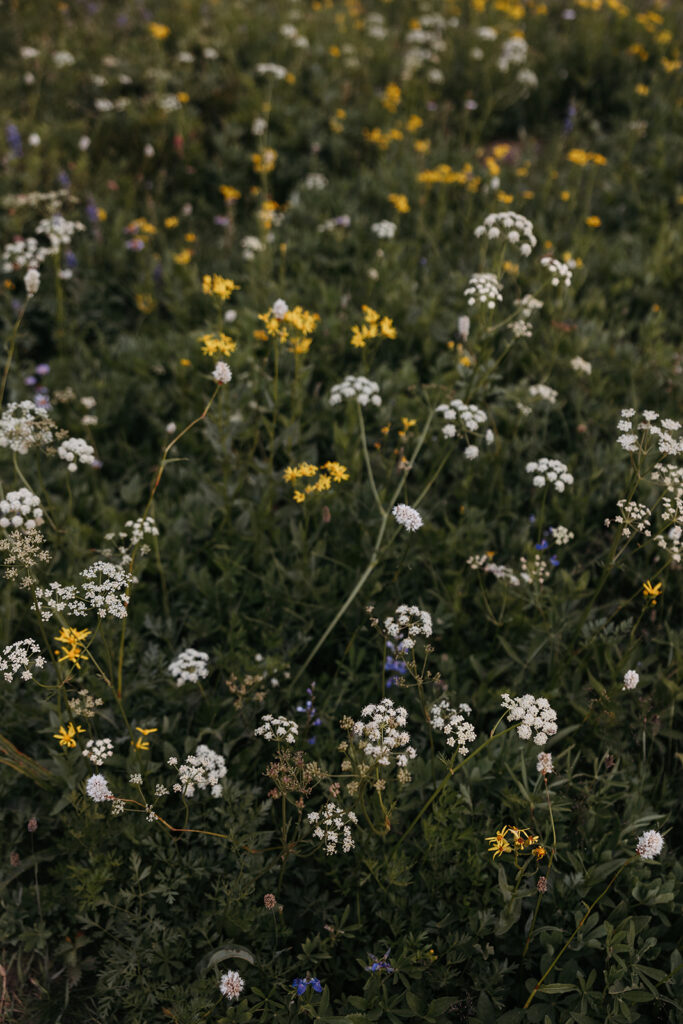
{"x": 10, "y": 354}
{"x": 366, "y": 456}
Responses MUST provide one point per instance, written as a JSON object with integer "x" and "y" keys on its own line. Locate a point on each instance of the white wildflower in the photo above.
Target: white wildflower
{"x": 408, "y": 517}
{"x": 361, "y": 389}
{"x": 189, "y": 666}
{"x": 277, "y": 728}
{"x": 631, "y": 679}
{"x": 650, "y": 845}
{"x": 98, "y": 789}
{"x": 231, "y": 985}
{"x": 332, "y": 826}
{"x": 16, "y": 658}
{"x": 534, "y": 714}
{"x": 98, "y": 751}
{"x": 453, "y": 723}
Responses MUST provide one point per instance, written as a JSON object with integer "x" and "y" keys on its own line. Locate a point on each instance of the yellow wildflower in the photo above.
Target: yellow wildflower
{"x": 158, "y": 31}
{"x": 399, "y": 202}
{"x": 67, "y": 737}
{"x": 499, "y": 843}
{"x": 593, "y": 221}
{"x": 651, "y": 591}
{"x": 265, "y": 161}
{"x": 229, "y": 193}
{"x": 221, "y": 287}
{"x": 391, "y": 98}
{"x": 183, "y": 257}
{"x": 217, "y": 344}
{"x": 171, "y": 222}
{"x": 145, "y": 303}
{"x": 74, "y": 647}
{"x": 338, "y": 472}
{"x": 641, "y": 89}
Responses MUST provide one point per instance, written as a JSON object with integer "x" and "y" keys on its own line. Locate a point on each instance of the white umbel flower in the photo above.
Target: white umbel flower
{"x": 278, "y": 728}
{"x": 650, "y": 845}
{"x": 361, "y": 389}
{"x": 189, "y": 666}
{"x": 408, "y": 517}
{"x": 332, "y": 825}
{"x": 222, "y": 373}
{"x": 98, "y": 789}
{"x": 534, "y": 714}
{"x": 631, "y": 680}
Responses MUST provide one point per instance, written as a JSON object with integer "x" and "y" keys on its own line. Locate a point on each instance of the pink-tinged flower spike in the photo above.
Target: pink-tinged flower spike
{"x": 231, "y": 985}
{"x": 407, "y": 516}
{"x": 222, "y": 373}
{"x": 650, "y": 845}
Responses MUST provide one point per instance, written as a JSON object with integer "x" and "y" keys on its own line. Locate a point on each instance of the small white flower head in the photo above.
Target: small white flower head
{"x": 550, "y": 471}
{"x": 332, "y": 826}
{"x": 21, "y": 510}
{"x": 544, "y": 763}
{"x": 189, "y": 666}
{"x": 484, "y": 290}
{"x": 650, "y": 845}
{"x": 279, "y": 309}
{"x": 464, "y": 327}
{"x": 385, "y": 229}
{"x": 222, "y": 373}
{"x": 560, "y": 272}
{"x": 360, "y": 389}
{"x": 580, "y": 365}
{"x": 534, "y": 714}
{"x": 98, "y": 751}
{"x": 231, "y": 985}
{"x": 463, "y": 420}
{"x": 543, "y": 391}
{"x": 16, "y": 658}
{"x": 74, "y": 451}
{"x": 381, "y": 734}
{"x": 278, "y": 728}
{"x": 510, "y": 227}
{"x": 561, "y": 535}
{"x": 408, "y": 517}
{"x": 274, "y": 70}
{"x": 631, "y": 680}
{"x": 406, "y": 624}
{"x": 32, "y": 282}
{"x": 98, "y": 789}
{"x": 57, "y": 598}
{"x": 202, "y": 770}
{"x": 24, "y": 425}
{"x": 106, "y": 589}
{"x": 454, "y": 724}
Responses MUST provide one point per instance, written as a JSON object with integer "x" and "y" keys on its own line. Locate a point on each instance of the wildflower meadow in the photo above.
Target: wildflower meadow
{"x": 341, "y": 511}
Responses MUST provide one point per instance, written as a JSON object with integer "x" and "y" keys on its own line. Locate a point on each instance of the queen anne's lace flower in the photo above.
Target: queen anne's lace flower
{"x": 406, "y": 624}
{"x": 511, "y": 227}
{"x": 483, "y": 289}
{"x": 189, "y": 666}
{"x": 106, "y": 589}
{"x": 560, "y": 272}
{"x": 332, "y": 826}
{"x": 278, "y": 728}
{"x": 16, "y": 658}
{"x": 650, "y": 845}
{"x": 381, "y": 735}
{"x": 21, "y": 509}
{"x": 550, "y": 471}
{"x": 23, "y": 426}
{"x": 75, "y": 450}
{"x": 535, "y": 715}
{"x": 408, "y": 517}
{"x": 57, "y": 598}
{"x": 201, "y": 770}
{"x": 453, "y": 724}
{"x": 463, "y": 420}
{"x": 98, "y": 751}
{"x": 361, "y": 389}
{"x": 98, "y": 789}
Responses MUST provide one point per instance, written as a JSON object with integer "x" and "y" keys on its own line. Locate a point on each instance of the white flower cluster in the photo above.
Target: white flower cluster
{"x": 106, "y": 589}
{"x": 59, "y": 230}
{"x": 276, "y": 71}
{"x": 200, "y": 770}
{"x": 140, "y": 528}
{"x": 98, "y": 789}
{"x": 663, "y": 432}
{"x": 411, "y": 620}
{"x": 580, "y": 365}
{"x": 550, "y": 471}
{"x": 361, "y": 389}
{"x": 75, "y": 450}
{"x": 32, "y": 282}
{"x": 333, "y": 826}
{"x": 631, "y": 679}
{"x": 544, "y": 763}
{"x": 189, "y": 666}
{"x": 21, "y": 508}
{"x": 462, "y": 420}
{"x": 408, "y": 517}
{"x": 528, "y": 305}
{"x": 222, "y": 374}
{"x": 560, "y": 272}
{"x": 24, "y": 254}
{"x": 381, "y": 734}
{"x": 543, "y": 391}
{"x": 484, "y": 289}
{"x": 384, "y": 229}
{"x": 534, "y": 714}
{"x": 16, "y": 660}
{"x": 57, "y": 598}
{"x": 278, "y": 728}
{"x": 513, "y": 52}
{"x": 453, "y": 723}
{"x": 98, "y": 751}
{"x": 231, "y": 985}
{"x": 511, "y": 227}
{"x": 23, "y": 426}
{"x": 650, "y": 845}
{"x": 561, "y": 535}
{"x": 632, "y": 516}
{"x": 251, "y": 245}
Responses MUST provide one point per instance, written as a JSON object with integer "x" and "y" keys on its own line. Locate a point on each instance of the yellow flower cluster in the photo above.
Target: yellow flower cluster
{"x": 74, "y": 647}
{"x": 217, "y": 344}
{"x": 399, "y": 202}
{"x": 295, "y": 329}
{"x": 158, "y": 31}
{"x": 265, "y": 161}
{"x": 230, "y": 193}
{"x": 374, "y": 326}
{"x": 444, "y": 174}
{"x": 581, "y": 157}
{"x": 391, "y": 98}
{"x": 511, "y": 839}
{"x": 221, "y": 287}
{"x": 141, "y": 226}
{"x": 382, "y": 139}
{"x": 328, "y": 473}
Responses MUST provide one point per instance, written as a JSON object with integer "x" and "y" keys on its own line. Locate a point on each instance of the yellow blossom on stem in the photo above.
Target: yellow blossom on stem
{"x": 74, "y": 647}
{"x": 158, "y": 30}
{"x": 221, "y": 287}
{"x": 652, "y": 592}
{"x": 67, "y": 737}
{"x": 217, "y": 344}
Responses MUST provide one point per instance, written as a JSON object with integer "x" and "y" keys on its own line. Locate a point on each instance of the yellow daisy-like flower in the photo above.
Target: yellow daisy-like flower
{"x": 183, "y": 257}
{"x": 499, "y": 843}
{"x": 230, "y": 194}
{"x": 221, "y": 287}
{"x": 652, "y": 592}
{"x": 399, "y": 202}
{"x": 593, "y": 221}
{"x": 158, "y": 30}
{"x": 67, "y": 737}
{"x": 74, "y": 647}
{"x": 171, "y": 222}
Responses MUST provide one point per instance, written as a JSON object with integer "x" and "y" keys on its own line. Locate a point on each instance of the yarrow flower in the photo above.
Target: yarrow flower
{"x": 408, "y": 517}
{"x": 98, "y": 789}
{"x": 278, "y": 728}
{"x": 361, "y": 389}
{"x": 189, "y": 666}
{"x": 231, "y": 985}
{"x": 534, "y": 714}
{"x": 650, "y": 845}
{"x": 453, "y": 724}
{"x": 332, "y": 825}
{"x": 631, "y": 680}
